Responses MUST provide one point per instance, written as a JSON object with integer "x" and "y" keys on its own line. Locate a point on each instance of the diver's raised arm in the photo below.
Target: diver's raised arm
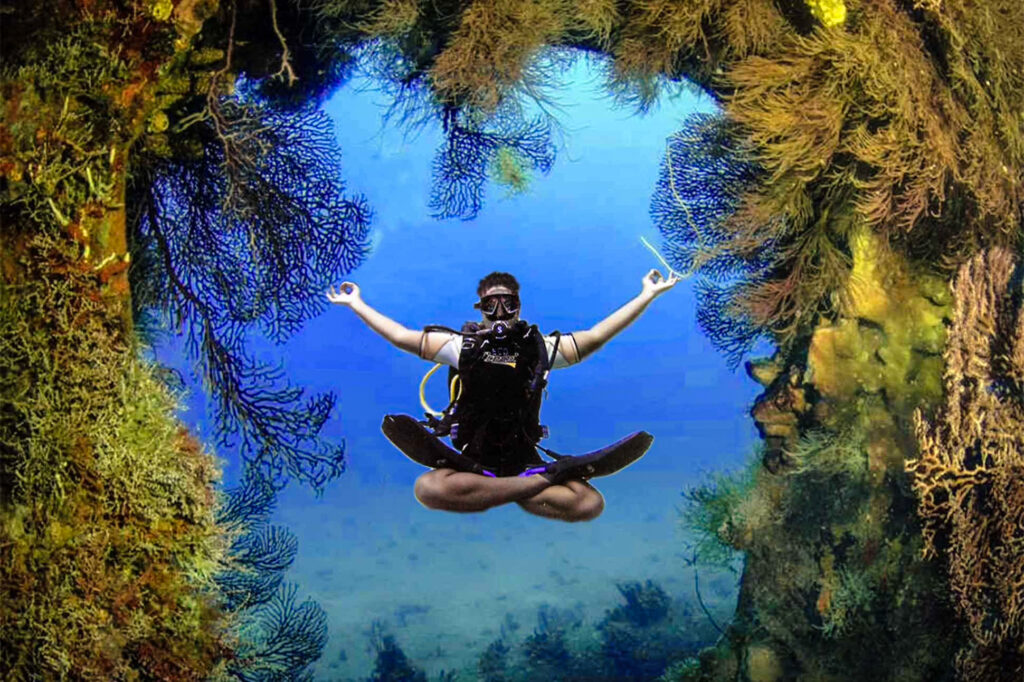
{"x": 653, "y": 286}
{"x": 347, "y": 294}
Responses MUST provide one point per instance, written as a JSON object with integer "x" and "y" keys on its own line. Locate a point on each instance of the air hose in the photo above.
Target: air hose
{"x": 451, "y": 391}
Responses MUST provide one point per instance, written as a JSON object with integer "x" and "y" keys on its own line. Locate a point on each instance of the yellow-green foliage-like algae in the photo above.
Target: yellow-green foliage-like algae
{"x": 108, "y": 535}
{"x": 510, "y": 170}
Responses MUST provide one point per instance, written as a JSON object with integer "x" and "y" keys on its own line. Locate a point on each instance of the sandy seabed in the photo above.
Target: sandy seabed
{"x": 446, "y": 585}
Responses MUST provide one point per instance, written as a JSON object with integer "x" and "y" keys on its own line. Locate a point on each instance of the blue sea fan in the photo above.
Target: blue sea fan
{"x": 279, "y": 638}
{"x": 259, "y": 559}
{"x": 463, "y": 163}
{"x": 282, "y": 641}
{"x": 241, "y": 231}
{"x": 249, "y": 504}
{"x": 259, "y": 554}
{"x": 703, "y": 177}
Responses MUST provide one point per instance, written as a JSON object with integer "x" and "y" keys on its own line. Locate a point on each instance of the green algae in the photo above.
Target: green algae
{"x": 109, "y": 524}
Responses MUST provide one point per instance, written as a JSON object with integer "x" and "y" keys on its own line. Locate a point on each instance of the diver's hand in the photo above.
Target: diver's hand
{"x": 655, "y": 285}
{"x": 346, "y": 294}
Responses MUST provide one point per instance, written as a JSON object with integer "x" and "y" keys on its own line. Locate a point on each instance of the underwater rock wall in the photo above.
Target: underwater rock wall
{"x": 855, "y": 570}
{"x": 108, "y": 541}
{"x": 832, "y": 544}
{"x": 108, "y": 537}
{"x": 121, "y": 559}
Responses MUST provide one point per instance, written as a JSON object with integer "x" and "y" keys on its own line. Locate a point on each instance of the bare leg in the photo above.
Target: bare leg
{"x": 459, "y": 491}
{"x": 571, "y": 501}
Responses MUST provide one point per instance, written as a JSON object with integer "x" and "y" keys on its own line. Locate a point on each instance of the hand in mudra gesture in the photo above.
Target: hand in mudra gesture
{"x": 346, "y": 294}
{"x": 655, "y": 284}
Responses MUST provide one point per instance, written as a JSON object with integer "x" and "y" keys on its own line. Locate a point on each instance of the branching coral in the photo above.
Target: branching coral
{"x": 970, "y": 473}
{"x": 282, "y": 640}
{"x": 470, "y": 153}
{"x": 639, "y": 639}
{"x": 703, "y": 176}
{"x": 248, "y": 234}
{"x": 596, "y": 19}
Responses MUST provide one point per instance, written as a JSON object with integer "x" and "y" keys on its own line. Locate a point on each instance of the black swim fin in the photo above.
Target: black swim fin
{"x": 604, "y": 462}
{"x": 421, "y": 446}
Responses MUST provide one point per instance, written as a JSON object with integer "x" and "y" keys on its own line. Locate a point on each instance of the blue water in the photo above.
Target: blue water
{"x": 444, "y": 583}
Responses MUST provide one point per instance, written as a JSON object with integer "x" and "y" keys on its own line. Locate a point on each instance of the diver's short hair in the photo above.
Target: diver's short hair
{"x": 498, "y": 279}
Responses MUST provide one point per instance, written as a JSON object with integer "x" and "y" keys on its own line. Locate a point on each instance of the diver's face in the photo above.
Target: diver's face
{"x": 494, "y": 306}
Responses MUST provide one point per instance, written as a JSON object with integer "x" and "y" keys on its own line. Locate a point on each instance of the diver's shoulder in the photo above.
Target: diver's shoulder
{"x": 436, "y": 339}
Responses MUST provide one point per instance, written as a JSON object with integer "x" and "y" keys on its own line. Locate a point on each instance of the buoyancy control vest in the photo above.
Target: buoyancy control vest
{"x": 503, "y": 372}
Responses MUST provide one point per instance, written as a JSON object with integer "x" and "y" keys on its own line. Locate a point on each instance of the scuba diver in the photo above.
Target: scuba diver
{"x": 498, "y": 369}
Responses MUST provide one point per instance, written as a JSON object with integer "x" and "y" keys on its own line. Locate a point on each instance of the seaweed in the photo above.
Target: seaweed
{"x": 492, "y": 665}
{"x": 716, "y": 512}
{"x": 646, "y": 604}
{"x": 546, "y": 647}
{"x": 642, "y": 637}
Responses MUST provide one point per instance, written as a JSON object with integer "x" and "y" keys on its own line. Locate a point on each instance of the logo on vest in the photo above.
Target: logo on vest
{"x": 501, "y": 358}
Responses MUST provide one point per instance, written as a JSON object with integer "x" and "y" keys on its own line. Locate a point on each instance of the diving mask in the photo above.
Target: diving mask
{"x": 488, "y": 305}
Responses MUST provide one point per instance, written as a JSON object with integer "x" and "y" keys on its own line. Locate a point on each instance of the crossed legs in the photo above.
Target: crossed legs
{"x": 459, "y": 491}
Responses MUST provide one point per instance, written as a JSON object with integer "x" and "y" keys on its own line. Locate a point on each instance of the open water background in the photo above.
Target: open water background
{"x": 444, "y": 584}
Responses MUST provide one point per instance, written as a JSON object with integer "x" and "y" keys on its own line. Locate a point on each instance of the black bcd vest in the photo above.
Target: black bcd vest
{"x": 502, "y": 384}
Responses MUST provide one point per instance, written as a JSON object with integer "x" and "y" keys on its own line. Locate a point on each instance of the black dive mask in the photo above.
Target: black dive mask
{"x": 489, "y": 305}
